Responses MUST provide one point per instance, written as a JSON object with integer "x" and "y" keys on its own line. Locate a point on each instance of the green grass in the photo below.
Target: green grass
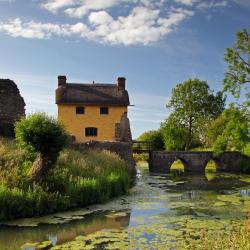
{"x": 80, "y": 178}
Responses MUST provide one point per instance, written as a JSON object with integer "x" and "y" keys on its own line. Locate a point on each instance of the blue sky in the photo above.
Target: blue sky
{"x": 155, "y": 44}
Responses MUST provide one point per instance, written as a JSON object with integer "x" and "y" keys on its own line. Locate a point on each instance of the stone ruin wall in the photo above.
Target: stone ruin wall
{"x": 122, "y": 130}
{"x": 12, "y": 106}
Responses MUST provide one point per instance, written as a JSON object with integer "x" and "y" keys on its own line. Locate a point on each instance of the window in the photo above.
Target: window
{"x": 80, "y": 110}
{"x": 104, "y": 110}
{"x": 90, "y": 131}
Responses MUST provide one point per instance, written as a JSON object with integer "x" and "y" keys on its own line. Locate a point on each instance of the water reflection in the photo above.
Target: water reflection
{"x": 52, "y": 238}
{"x": 17, "y": 236}
{"x": 245, "y": 192}
{"x": 208, "y": 181}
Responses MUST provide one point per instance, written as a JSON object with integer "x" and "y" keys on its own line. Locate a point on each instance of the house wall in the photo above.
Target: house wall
{"x": 76, "y": 124}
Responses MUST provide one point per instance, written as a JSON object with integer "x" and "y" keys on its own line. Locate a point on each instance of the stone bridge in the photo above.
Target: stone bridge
{"x": 195, "y": 162}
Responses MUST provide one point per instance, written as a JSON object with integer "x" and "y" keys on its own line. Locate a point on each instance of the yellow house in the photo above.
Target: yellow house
{"x": 94, "y": 111}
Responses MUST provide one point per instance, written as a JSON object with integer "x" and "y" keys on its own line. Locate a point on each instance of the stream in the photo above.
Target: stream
{"x": 160, "y": 212}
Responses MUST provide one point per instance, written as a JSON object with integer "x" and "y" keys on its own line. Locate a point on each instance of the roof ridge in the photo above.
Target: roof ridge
{"x": 94, "y": 84}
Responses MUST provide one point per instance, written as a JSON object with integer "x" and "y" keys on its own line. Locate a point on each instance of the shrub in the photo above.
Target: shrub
{"x": 43, "y": 135}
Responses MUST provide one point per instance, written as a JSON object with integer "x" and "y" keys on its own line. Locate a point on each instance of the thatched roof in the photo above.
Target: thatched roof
{"x": 92, "y": 94}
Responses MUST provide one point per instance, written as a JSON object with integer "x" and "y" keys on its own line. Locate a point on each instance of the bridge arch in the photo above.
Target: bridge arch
{"x": 178, "y": 164}
{"x": 212, "y": 162}
{"x": 195, "y": 162}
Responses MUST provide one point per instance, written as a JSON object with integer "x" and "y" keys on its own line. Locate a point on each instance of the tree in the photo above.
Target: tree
{"x": 194, "y": 106}
{"x": 154, "y": 137}
{"x": 230, "y": 131}
{"x": 237, "y": 74}
{"x": 173, "y": 133}
{"x": 43, "y": 135}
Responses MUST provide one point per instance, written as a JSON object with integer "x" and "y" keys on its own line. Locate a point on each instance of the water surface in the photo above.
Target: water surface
{"x": 161, "y": 211}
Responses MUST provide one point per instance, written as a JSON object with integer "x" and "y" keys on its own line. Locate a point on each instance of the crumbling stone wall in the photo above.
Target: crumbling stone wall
{"x": 122, "y": 130}
{"x": 123, "y": 149}
{"x": 11, "y": 106}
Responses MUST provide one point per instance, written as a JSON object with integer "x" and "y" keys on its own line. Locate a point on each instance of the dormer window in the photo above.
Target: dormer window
{"x": 80, "y": 110}
{"x": 104, "y": 110}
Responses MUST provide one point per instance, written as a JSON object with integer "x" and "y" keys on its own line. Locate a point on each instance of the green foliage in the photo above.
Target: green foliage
{"x": 154, "y": 137}
{"x": 238, "y": 71}
{"x": 174, "y": 134}
{"x": 79, "y": 178}
{"x": 230, "y": 131}
{"x": 141, "y": 157}
{"x": 194, "y": 106}
{"x": 42, "y": 134}
{"x": 220, "y": 145}
{"x": 247, "y": 149}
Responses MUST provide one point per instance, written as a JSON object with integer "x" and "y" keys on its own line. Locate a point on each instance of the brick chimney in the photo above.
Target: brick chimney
{"x": 121, "y": 83}
{"x": 62, "y": 80}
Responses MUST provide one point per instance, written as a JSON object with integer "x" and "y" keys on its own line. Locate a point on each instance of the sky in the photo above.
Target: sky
{"x": 155, "y": 44}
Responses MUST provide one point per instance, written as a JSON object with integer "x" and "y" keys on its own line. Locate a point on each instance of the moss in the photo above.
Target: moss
{"x": 219, "y": 204}
{"x": 45, "y": 245}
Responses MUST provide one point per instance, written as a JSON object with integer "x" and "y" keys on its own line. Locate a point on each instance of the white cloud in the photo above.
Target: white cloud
{"x": 146, "y": 21}
{"x": 80, "y": 8}
{"x": 142, "y": 25}
{"x": 205, "y": 5}
{"x": 32, "y": 29}
{"x": 100, "y": 17}
{"x": 55, "y": 5}
{"x": 90, "y": 5}
{"x": 187, "y": 2}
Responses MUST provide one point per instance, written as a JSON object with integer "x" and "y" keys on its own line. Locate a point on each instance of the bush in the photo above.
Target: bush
{"x": 41, "y": 134}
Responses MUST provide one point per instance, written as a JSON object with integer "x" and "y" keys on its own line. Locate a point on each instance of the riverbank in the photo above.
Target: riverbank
{"x": 80, "y": 178}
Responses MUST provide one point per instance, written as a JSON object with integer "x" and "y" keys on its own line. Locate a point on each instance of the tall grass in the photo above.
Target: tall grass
{"x": 79, "y": 178}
